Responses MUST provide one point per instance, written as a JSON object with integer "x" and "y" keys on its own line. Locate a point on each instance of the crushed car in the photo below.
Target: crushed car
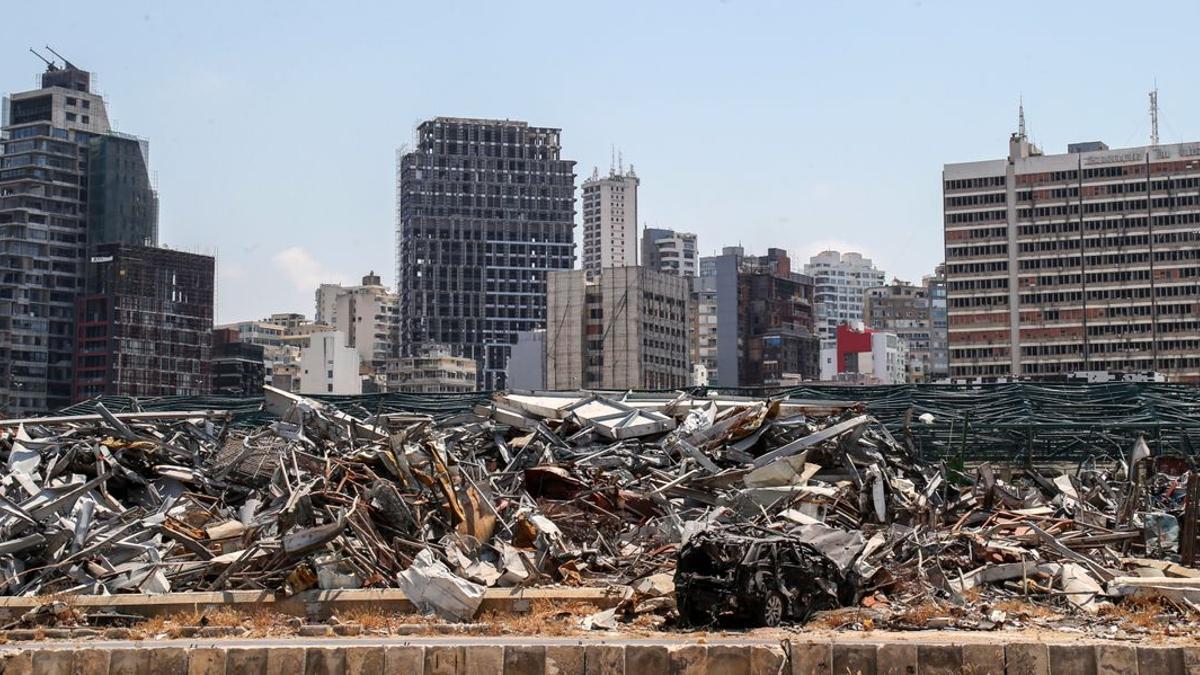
{"x": 736, "y": 580}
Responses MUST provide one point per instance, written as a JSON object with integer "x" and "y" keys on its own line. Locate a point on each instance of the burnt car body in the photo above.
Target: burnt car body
{"x": 728, "y": 578}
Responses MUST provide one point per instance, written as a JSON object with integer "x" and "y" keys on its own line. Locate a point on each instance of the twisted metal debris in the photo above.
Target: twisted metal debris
{"x": 576, "y": 488}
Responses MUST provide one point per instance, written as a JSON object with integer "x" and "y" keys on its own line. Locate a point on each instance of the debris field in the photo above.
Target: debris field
{"x": 703, "y": 510}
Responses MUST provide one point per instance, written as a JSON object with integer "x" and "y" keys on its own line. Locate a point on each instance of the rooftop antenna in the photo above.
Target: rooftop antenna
{"x": 620, "y": 162}
{"x": 50, "y": 65}
{"x": 1154, "y": 115}
{"x": 612, "y": 162}
{"x": 64, "y": 59}
{"x": 1021, "y": 117}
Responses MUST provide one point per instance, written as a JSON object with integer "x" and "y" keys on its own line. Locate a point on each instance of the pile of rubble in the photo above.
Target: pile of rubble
{"x": 708, "y": 510}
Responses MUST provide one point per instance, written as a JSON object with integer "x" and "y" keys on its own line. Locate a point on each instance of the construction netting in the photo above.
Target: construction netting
{"x": 1022, "y": 421}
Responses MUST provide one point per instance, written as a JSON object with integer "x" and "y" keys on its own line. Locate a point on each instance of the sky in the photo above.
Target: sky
{"x": 274, "y": 126}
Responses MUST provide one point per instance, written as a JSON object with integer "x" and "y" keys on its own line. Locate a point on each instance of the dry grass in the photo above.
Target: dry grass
{"x": 920, "y": 614}
{"x": 1018, "y": 607}
{"x": 374, "y": 619}
{"x": 545, "y": 617}
{"x": 1148, "y": 614}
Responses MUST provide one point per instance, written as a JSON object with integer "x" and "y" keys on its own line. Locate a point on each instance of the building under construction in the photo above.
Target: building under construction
{"x": 144, "y": 327}
{"x": 1084, "y": 261}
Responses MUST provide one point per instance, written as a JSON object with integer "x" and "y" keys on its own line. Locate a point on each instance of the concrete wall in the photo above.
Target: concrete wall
{"x": 522, "y": 656}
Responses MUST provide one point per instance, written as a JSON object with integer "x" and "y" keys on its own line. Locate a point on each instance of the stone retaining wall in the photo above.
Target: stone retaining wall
{"x": 599, "y": 658}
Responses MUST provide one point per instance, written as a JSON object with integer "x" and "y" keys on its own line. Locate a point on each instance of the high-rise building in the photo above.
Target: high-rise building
{"x": 67, "y": 182}
{"x": 842, "y": 279}
{"x": 904, "y": 309}
{"x": 368, "y": 315}
{"x": 485, "y": 209}
{"x": 144, "y": 324}
{"x": 1083, "y": 261}
{"x": 670, "y": 251}
{"x": 610, "y": 220}
{"x": 756, "y": 317}
{"x": 619, "y": 328}
{"x": 122, "y": 202}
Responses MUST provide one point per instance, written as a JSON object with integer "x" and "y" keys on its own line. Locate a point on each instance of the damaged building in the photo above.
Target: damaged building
{"x": 485, "y": 208}
{"x": 144, "y": 323}
{"x": 67, "y": 182}
{"x": 1082, "y": 261}
{"x": 754, "y": 321}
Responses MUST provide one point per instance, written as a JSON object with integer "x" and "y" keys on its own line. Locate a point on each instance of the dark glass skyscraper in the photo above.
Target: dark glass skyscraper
{"x": 484, "y": 209}
{"x": 52, "y": 142}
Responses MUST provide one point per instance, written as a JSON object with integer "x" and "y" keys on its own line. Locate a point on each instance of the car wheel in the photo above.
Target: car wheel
{"x": 772, "y": 609}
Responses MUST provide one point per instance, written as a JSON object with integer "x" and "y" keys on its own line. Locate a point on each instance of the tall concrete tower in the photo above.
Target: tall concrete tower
{"x": 610, "y": 237}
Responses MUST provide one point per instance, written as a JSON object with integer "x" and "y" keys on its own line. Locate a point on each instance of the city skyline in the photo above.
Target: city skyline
{"x": 745, "y": 125}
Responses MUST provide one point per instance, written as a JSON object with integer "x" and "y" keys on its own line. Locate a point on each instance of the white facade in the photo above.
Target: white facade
{"x": 610, "y": 220}
{"x": 842, "y": 280}
{"x": 369, "y": 317}
{"x": 884, "y": 364}
{"x": 889, "y": 357}
{"x": 329, "y": 366}
{"x": 670, "y": 252}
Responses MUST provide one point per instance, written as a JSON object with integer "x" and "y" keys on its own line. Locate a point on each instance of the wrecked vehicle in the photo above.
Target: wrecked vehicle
{"x": 740, "y": 580}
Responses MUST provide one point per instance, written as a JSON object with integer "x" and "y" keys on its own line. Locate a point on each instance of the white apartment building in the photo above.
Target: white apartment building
{"x": 842, "y": 280}
{"x": 670, "y": 252}
{"x": 369, "y": 317}
{"x": 329, "y": 366}
{"x": 610, "y": 220}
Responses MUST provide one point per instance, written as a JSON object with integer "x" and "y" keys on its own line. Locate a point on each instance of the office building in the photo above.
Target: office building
{"x": 67, "y": 182}
{"x": 904, "y": 309}
{"x": 237, "y": 367}
{"x": 670, "y": 252}
{"x": 1083, "y": 261}
{"x": 620, "y": 328}
{"x": 610, "y": 220}
{"x": 369, "y": 316}
{"x": 435, "y": 370}
{"x": 486, "y": 208}
{"x": 842, "y": 280}
{"x": 144, "y": 324}
{"x": 754, "y": 323}
{"x": 329, "y": 366}
{"x": 122, "y": 202}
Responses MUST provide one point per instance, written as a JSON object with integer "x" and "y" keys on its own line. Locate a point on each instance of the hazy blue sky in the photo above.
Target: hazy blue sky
{"x": 273, "y": 126}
